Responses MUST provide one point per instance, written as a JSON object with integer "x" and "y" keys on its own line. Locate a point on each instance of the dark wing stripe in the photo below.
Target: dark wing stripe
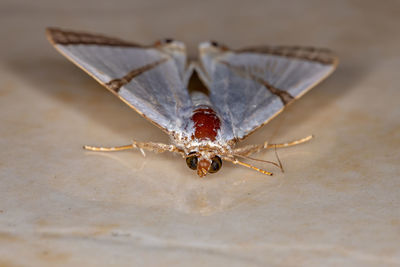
{"x": 320, "y": 55}
{"x": 283, "y": 95}
{"x": 116, "y": 84}
{"x": 57, "y": 36}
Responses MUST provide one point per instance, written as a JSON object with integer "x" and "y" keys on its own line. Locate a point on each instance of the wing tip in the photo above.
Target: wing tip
{"x": 335, "y": 60}
{"x": 50, "y": 34}
{"x": 327, "y": 56}
{"x": 57, "y": 35}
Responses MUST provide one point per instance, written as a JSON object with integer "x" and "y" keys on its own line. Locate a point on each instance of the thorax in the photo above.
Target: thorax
{"x": 204, "y": 128}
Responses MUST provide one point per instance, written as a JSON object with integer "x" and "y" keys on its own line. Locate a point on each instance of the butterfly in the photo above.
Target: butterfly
{"x": 205, "y": 106}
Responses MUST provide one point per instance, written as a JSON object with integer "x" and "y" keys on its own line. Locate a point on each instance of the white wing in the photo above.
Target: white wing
{"x": 251, "y": 86}
{"x": 148, "y": 78}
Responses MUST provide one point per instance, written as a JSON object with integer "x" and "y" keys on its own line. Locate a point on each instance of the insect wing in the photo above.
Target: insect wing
{"x": 148, "y": 78}
{"x": 251, "y": 86}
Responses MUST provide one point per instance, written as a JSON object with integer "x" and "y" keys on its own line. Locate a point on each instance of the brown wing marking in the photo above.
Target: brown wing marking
{"x": 58, "y": 36}
{"x": 320, "y": 55}
{"x": 116, "y": 84}
{"x": 283, "y": 95}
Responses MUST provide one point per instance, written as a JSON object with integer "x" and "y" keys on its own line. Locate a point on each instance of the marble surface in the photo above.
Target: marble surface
{"x": 337, "y": 204}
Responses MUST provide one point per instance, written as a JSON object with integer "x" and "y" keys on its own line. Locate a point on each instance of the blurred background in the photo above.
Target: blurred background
{"x": 337, "y": 204}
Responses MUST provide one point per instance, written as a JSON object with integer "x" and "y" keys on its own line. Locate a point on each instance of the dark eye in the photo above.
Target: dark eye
{"x": 216, "y": 164}
{"x": 191, "y": 160}
{"x": 168, "y": 40}
{"x": 214, "y": 43}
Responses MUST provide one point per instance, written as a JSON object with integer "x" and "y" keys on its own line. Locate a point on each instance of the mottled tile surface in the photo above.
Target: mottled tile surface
{"x": 337, "y": 204}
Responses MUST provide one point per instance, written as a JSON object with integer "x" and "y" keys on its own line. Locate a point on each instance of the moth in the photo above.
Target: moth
{"x": 205, "y": 106}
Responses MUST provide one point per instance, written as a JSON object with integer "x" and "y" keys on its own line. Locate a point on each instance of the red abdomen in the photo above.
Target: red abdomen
{"x": 206, "y": 123}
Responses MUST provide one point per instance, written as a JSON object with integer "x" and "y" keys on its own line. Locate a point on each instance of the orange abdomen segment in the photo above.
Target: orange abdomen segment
{"x": 206, "y": 124}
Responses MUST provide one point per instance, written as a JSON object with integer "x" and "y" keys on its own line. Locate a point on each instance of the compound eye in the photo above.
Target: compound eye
{"x": 216, "y": 164}
{"x": 214, "y": 43}
{"x": 168, "y": 40}
{"x": 191, "y": 160}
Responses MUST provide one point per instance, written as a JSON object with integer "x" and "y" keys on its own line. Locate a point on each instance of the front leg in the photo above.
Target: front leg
{"x": 149, "y": 146}
{"x": 251, "y": 149}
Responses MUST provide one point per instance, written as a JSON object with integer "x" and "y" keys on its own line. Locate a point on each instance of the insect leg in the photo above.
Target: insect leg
{"x": 149, "y": 146}
{"x": 251, "y": 149}
{"x": 235, "y": 161}
{"x": 292, "y": 143}
{"x": 107, "y": 149}
{"x": 157, "y": 147}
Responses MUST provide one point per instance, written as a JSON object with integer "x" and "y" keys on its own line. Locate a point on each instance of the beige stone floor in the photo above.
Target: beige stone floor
{"x": 337, "y": 204}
